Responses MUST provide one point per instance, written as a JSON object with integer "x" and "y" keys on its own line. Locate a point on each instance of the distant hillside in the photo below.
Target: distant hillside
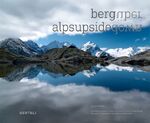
{"x": 141, "y": 59}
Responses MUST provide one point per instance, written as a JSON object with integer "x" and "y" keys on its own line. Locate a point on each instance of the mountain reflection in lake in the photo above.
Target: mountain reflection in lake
{"x": 71, "y": 94}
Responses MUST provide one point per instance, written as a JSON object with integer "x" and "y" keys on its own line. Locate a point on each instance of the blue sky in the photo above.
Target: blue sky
{"x": 106, "y": 39}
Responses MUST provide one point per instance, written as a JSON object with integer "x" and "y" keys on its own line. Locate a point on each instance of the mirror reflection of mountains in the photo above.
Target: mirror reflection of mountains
{"x": 16, "y": 73}
{"x": 113, "y": 77}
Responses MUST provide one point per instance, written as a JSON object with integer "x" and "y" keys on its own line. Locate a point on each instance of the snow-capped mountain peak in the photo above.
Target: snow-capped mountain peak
{"x": 88, "y": 45}
{"x": 93, "y": 49}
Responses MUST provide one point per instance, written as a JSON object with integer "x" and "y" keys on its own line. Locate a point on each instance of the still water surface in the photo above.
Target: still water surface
{"x": 102, "y": 94}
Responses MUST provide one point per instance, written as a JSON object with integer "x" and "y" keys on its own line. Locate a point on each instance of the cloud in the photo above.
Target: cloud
{"x": 33, "y": 19}
{"x": 141, "y": 39}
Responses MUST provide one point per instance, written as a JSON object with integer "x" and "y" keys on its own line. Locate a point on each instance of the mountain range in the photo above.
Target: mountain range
{"x": 95, "y": 50}
{"x": 16, "y": 51}
{"x": 30, "y": 48}
{"x": 19, "y": 47}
